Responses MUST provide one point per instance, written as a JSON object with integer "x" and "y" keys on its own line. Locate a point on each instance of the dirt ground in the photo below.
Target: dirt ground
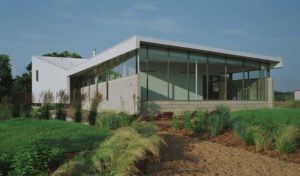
{"x": 193, "y": 156}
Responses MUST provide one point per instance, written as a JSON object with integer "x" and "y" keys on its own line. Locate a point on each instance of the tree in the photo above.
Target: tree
{"x": 21, "y": 91}
{"x": 63, "y": 54}
{"x": 5, "y": 76}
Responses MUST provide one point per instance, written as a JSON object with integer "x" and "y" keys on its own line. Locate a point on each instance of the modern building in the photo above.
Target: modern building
{"x": 297, "y": 95}
{"x": 148, "y": 75}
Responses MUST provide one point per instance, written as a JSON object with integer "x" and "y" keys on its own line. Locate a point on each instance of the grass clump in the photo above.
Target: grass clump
{"x": 119, "y": 154}
{"x": 175, "y": 123}
{"x": 287, "y": 139}
{"x": 113, "y": 120}
{"x": 98, "y": 98}
{"x": 187, "y": 120}
{"x": 218, "y": 120}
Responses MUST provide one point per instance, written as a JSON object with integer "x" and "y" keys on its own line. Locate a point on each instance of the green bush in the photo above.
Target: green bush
{"x": 219, "y": 120}
{"x": 175, "y": 123}
{"x": 125, "y": 119}
{"x": 15, "y": 110}
{"x": 44, "y": 112}
{"x": 113, "y": 120}
{"x": 108, "y": 119}
{"x": 199, "y": 122}
{"x": 94, "y": 108}
{"x": 61, "y": 113}
{"x": 187, "y": 120}
{"x": 146, "y": 129}
{"x": 35, "y": 159}
{"x": 78, "y": 114}
{"x": 5, "y": 163}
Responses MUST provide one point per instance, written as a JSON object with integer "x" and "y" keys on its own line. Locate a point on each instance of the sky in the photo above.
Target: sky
{"x": 269, "y": 27}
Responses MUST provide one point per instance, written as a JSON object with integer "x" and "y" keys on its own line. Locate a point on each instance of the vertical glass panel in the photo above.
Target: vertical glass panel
{"x": 234, "y": 78}
{"x": 197, "y": 71}
{"x": 122, "y": 66}
{"x": 216, "y": 78}
{"x": 157, "y": 74}
{"x": 178, "y": 77}
{"x": 143, "y": 72}
{"x": 253, "y": 81}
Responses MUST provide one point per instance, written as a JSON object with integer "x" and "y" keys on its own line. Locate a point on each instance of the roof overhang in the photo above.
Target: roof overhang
{"x": 136, "y": 41}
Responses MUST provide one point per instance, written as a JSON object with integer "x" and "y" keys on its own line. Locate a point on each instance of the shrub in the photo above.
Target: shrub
{"x": 98, "y": 98}
{"x": 187, "y": 120}
{"x": 44, "y": 112}
{"x": 5, "y": 163}
{"x": 35, "y": 159}
{"x": 119, "y": 154}
{"x": 262, "y": 138}
{"x": 223, "y": 112}
{"x": 240, "y": 129}
{"x": 109, "y": 120}
{"x": 15, "y": 110}
{"x": 175, "y": 124}
{"x": 287, "y": 139}
{"x": 125, "y": 119}
{"x": 146, "y": 129}
{"x": 199, "y": 122}
{"x": 218, "y": 120}
{"x": 78, "y": 114}
{"x": 61, "y": 113}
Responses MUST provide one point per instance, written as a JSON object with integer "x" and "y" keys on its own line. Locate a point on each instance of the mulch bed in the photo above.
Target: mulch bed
{"x": 227, "y": 138}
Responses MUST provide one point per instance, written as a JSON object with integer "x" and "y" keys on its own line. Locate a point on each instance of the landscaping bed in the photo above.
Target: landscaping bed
{"x": 228, "y": 137}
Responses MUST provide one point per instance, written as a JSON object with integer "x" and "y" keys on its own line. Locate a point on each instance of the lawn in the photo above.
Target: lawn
{"x": 278, "y": 115}
{"x": 70, "y": 137}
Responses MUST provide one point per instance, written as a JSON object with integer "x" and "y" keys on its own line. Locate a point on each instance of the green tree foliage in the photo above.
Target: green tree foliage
{"x": 21, "y": 90}
{"x": 63, "y": 54}
{"x": 5, "y": 75}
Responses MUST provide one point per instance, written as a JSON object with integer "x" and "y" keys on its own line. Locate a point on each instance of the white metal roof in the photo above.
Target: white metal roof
{"x": 136, "y": 41}
{"x": 65, "y": 63}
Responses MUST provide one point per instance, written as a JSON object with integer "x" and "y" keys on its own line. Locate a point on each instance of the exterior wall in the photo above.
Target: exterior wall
{"x": 50, "y": 77}
{"x": 123, "y": 95}
{"x": 178, "y": 107}
{"x": 297, "y": 95}
{"x": 270, "y": 92}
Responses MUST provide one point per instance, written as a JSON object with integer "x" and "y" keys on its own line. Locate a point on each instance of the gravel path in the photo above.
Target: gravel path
{"x": 189, "y": 156}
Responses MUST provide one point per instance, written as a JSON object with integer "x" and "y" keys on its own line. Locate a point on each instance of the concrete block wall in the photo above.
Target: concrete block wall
{"x": 123, "y": 95}
{"x": 149, "y": 107}
{"x": 270, "y": 92}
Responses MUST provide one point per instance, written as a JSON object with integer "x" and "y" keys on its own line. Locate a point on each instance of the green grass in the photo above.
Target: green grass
{"x": 69, "y": 137}
{"x": 288, "y": 116}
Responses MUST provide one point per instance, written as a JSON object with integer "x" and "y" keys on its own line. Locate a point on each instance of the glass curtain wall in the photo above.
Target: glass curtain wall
{"x": 169, "y": 74}
{"x": 197, "y": 75}
{"x": 235, "y": 75}
{"x": 178, "y": 75}
{"x": 157, "y": 74}
{"x": 216, "y": 78}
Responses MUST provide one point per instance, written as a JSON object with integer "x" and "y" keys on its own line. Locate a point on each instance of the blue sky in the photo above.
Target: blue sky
{"x": 268, "y": 27}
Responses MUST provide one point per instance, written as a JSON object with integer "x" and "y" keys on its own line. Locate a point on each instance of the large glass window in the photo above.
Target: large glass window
{"x": 178, "y": 75}
{"x": 143, "y": 54}
{"x": 234, "y": 76}
{"x": 122, "y": 66}
{"x": 157, "y": 74}
{"x": 216, "y": 78}
{"x": 252, "y": 85}
{"x": 197, "y": 70}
